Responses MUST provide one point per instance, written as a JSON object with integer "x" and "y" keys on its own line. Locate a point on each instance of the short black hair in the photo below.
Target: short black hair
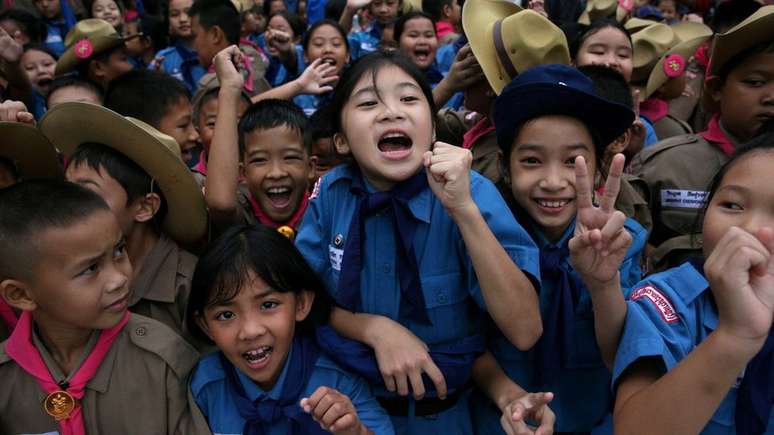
{"x": 74, "y": 81}
{"x": 334, "y": 9}
{"x": 31, "y": 207}
{"x": 321, "y": 124}
{"x": 153, "y": 29}
{"x": 609, "y": 84}
{"x": 34, "y": 28}
{"x": 146, "y": 95}
{"x": 41, "y": 48}
{"x": 272, "y": 113}
{"x": 10, "y": 166}
{"x": 295, "y": 22}
{"x": 83, "y": 67}
{"x": 227, "y": 265}
{"x": 434, "y": 8}
{"x": 132, "y": 178}
{"x": 400, "y": 23}
{"x": 267, "y": 7}
{"x": 577, "y": 34}
{"x": 221, "y": 13}
{"x": 732, "y": 12}
{"x": 325, "y": 22}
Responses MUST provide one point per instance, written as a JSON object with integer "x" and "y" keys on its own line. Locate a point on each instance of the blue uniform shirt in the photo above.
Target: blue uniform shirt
{"x": 181, "y": 63}
{"x": 55, "y": 36}
{"x": 446, "y": 271}
{"x": 210, "y": 391}
{"x": 277, "y": 74}
{"x": 650, "y": 136}
{"x": 582, "y": 392}
{"x": 366, "y": 41}
{"x": 668, "y": 315}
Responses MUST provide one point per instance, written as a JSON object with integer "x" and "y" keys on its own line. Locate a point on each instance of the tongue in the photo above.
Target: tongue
{"x": 390, "y": 145}
{"x": 279, "y": 199}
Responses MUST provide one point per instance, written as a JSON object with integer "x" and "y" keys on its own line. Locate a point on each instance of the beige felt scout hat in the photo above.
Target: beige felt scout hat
{"x": 87, "y": 39}
{"x": 675, "y": 60}
{"x": 756, "y": 29}
{"x": 634, "y": 25}
{"x": 29, "y": 150}
{"x": 507, "y": 40}
{"x": 596, "y": 9}
{"x": 155, "y": 152}
{"x": 648, "y": 45}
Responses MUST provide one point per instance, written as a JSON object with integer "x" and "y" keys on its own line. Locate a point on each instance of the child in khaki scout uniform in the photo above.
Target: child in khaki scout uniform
{"x": 25, "y": 154}
{"x": 96, "y": 51}
{"x": 78, "y": 362}
{"x": 679, "y": 169}
{"x": 274, "y": 144}
{"x": 528, "y": 39}
{"x": 661, "y": 54}
{"x": 139, "y": 173}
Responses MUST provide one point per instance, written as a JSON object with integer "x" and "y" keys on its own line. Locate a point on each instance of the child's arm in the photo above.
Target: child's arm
{"x": 345, "y": 21}
{"x": 223, "y": 166}
{"x": 516, "y": 404}
{"x": 402, "y": 357}
{"x": 597, "y": 250}
{"x": 464, "y": 72}
{"x": 316, "y": 79}
{"x": 10, "y": 56}
{"x": 741, "y": 275}
{"x": 509, "y": 295}
{"x": 335, "y": 412}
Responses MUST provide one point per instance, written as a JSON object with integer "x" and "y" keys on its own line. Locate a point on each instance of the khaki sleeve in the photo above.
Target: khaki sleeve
{"x": 183, "y": 416}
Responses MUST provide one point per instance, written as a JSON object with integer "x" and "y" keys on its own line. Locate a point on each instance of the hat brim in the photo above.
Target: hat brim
{"x": 69, "y": 125}
{"x": 742, "y": 37}
{"x": 32, "y": 153}
{"x": 606, "y": 119}
{"x": 69, "y": 61}
{"x": 658, "y": 77}
{"x": 478, "y": 18}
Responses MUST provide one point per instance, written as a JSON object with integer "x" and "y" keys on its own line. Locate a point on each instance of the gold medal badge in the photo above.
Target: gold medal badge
{"x": 288, "y": 232}
{"x": 59, "y": 404}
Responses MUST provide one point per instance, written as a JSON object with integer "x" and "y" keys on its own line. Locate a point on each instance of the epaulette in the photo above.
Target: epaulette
{"x": 161, "y": 340}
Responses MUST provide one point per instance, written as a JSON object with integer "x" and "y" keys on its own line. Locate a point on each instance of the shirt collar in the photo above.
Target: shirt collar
{"x": 542, "y": 241}
{"x": 157, "y": 279}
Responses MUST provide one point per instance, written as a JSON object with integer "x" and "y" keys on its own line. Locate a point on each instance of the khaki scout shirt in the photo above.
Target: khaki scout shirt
{"x": 669, "y": 126}
{"x": 140, "y": 387}
{"x": 678, "y": 172}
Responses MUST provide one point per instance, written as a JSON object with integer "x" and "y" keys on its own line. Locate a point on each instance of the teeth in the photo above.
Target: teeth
{"x": 278, "y": 190}
{"x": 552, "y": 204}
{"x": 393, "y": 135}
{"x": 257, "y": 354}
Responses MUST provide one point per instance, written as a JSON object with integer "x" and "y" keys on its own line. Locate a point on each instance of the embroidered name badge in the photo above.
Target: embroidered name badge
{"x": 663, "y": 305}
{"x": 336, "y": 255}
{"x": 683, "y": 198}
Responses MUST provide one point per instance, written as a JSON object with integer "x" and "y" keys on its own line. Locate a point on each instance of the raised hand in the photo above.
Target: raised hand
{"x": 10, "y": 49}
{"x": 740, "y": 271}
{"x": 279, "y": 40}
{"x": 600, "y": 242}
{"x": 532, "y": 408}
{"x": 465, "y": 70}
{"x": 226, "y": 68}
{"x": 317, "y": 78}
{"x": 334, "y": 411}
{"x": 448, "y": 173}
{"x": 354, "y": 5}
{"x": 15, "y": 111}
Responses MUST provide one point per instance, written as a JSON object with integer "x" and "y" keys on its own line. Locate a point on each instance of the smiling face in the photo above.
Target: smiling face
{"x": 107, "y": 10}
{"x": 39, "y": 67}
{"x": 49, "y": 9}
{"x": 387, "y": 126}
{"x": 328, "y": 44}
{"x": 276, "y": 168}
{"x": 255, "y": 329}
{"x": 278, "y": 24}
{"x": 179, "y": 20}
{"x": 385, "y": 10}
{"x": 741, "y": 200}
{"x": 178, "y": 123}
{"x": 542, "y": 170}
{"x": 607, "y": 47}
{"x": 418, "y": 42}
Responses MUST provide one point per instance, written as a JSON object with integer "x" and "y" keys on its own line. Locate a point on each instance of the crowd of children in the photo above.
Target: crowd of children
{"x": 386, "y": 217}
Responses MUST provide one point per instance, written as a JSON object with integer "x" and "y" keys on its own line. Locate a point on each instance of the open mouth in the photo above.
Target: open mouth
{"x": 395, "y": 145}
{"x": 552, "y": 206}
{"x": 279, "y": 197}
{"x": 44, "y": 83}
{"x": 329, "y": 60}
{"x": 422, "y": 54}
{"x": 257, "y": 358}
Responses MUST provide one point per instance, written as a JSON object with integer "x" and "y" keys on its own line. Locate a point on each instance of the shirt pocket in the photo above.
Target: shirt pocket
{"x": 447, "y": 303}
{"x": 679, "y": 220}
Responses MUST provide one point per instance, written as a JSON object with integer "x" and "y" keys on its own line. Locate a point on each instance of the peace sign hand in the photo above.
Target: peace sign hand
{"x": 600, "y": 242}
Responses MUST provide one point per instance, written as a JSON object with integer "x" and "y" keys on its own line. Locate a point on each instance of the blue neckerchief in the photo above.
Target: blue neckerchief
{"x": 396, "y": 202}
{"x": 455, "y": 359}
{"x": 190, "y": 60}
{"x": 261, "y": 413}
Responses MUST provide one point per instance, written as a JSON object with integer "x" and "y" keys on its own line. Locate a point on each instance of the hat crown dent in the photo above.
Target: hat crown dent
{"x": 755, "y": 29}
{"x": 531, "y": 42}
{"x": 651, "y": 43}
{"x": 90, "y": 28}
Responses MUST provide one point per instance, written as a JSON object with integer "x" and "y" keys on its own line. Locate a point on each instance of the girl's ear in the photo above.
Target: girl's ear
{"x": 341, "y": 144}
{"x": 17, "y": 295}
{"x": 203, "y": 326}
{"x": 304, "y": 302}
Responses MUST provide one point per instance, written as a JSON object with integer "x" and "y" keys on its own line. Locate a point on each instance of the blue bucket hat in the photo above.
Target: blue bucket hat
{"x": 557, "y": 90}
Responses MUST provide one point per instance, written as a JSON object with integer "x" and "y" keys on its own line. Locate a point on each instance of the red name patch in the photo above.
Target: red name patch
{"x": 658, "y": 299}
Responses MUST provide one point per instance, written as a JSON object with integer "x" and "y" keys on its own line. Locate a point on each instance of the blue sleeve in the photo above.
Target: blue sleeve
{"x": 310, "y": 240}
{"x": 631, "y": 268}
{"x": 512, "y": 237}
{"x": 650, "y": 137}
{"x": 653, "y": 328}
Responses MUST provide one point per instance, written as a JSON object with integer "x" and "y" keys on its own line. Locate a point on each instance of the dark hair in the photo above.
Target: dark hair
{"x": 434, "y": 8}
{"x": 334, "y": 9}
{"x": 41, "y": 48}
{"x": 741, "y": 57}
{"x": 132, "y": 178}
{"x": 732, "y": 12}
{"x": 272, "y": 113}
{"x": 321, "y": 125}
{"x": 72, "y": 81}
{"x": 202, "y": 97}
{"x": 10, "y": 166}
{"x": 225, "y": 269}
{"x": 400, "y": 23}
{"x": 146, "y": 95}
{"x": 577, "y": 34}
{"x": 153, "y": 29}
{"x": 609, "y": 84}
{"x": 34, "y": 28}
{"x": 295, "y": 22}
{"x": 31, "y": 207}
{"x": 83, "y": 67}
{"x": 325, "y": 22}
{"x": 371, "y": 64}
{"x": 267, "y": 7}
{"x": 221, "y": 13}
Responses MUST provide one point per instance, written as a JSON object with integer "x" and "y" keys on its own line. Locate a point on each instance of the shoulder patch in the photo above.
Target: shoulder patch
{"x": 159, "y": 339}
{"x": 316, "y": 189}
{"x": 661, "y": 302}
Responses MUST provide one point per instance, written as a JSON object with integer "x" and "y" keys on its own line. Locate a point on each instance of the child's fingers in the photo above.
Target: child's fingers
{"x": 613, "y": 226}
{"x": 582, "y": 184}
{"x": 337, "y": 410}
{"x": 536, "y": 400}
{"x": 417, "y": 386}
{"x": 346, "y": 421}
{"x": 389, "y": 383}
{"x": 402, "y": 384}
{"x": 613, "y": 183}
{"x": 309, "y": 403}
{"x": 325, "y": 403}
{"x": 621, "y": 241}
{"x": 436, "y": 376}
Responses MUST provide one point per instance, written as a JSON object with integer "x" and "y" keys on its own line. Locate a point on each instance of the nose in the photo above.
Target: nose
{"x": 277, "y": 169}
{"x": 193, "y": 135}
{"x": 767, "y": 96}
{"x": 757, "y": 219}
{"x": 250, "y": 327}
{"x": 554, "y": 178}
{"x": 118, "y": 275}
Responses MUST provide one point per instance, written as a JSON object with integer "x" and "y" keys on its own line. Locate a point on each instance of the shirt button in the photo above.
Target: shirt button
{"x": 442, "y": 298}
{"x": 386, "y": 267}
{"x": 140, "y": 331}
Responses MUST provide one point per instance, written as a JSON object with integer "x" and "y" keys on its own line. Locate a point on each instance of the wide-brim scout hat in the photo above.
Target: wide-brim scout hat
{"x": 756, "y": 29}
{"x": 30, "y": 151}
{"x": 648, "y": 45}
{"x": 634, "y": 25}
{"x": 557, "y": 90}
{"x": 507, "y": 40}
{"x": 69, "y": 125}
{"x": 597, "y": 9}
{"x": 87, "y": 39}
{"x": 675, "y": 60}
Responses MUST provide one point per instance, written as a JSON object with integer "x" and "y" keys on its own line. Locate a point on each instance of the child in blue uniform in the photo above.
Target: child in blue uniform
{"x": 553, "y": 128}
{"x": 259, "y": 301}
{"x": 695, "y": 356}
{"x": 408, "y": 241}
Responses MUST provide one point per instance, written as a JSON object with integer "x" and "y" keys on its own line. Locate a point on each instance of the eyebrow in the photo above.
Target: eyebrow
{"x": 734, "y": 188}
{"x": 265, "y": 292}
{"x": 537, "y": 147}
{"x": 373, "y": 88}
{"x": 86, "y": 181}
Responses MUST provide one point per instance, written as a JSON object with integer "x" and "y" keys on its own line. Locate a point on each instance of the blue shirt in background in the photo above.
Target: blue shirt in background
{"x": 181, "y": 63}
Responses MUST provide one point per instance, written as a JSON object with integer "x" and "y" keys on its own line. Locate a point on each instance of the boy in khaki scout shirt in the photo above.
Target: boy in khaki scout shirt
{"x": 78, "y": 362}
{"x": 139, "y": 173}
{"x": 678, "y": 170}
